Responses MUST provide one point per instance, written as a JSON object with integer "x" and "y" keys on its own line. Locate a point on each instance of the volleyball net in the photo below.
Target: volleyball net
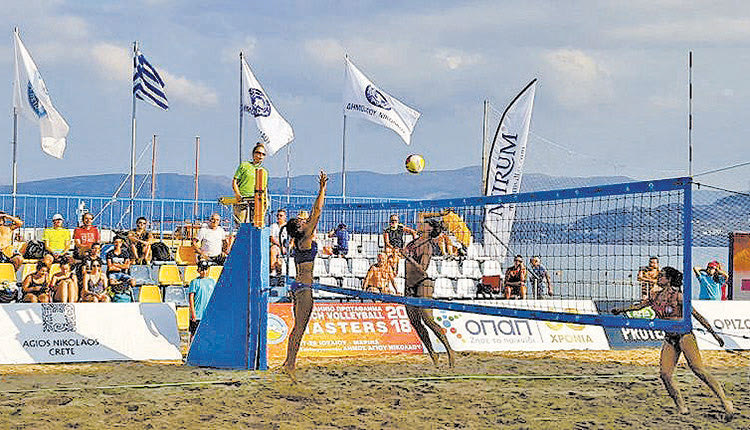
{"x": 590, "y": 247}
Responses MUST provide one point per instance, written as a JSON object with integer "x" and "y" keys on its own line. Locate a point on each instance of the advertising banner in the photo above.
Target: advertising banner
{"x": 729, "y": 317}
{"x": 344, "y": 330}
{"x": 74, "y": 332}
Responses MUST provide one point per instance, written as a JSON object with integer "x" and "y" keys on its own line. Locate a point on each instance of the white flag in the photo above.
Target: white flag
{"x": 30, "y": 97}
{"x": 364, "y": 100}
{"x": 504, "y": 169}
{"x": 274, "y": 130}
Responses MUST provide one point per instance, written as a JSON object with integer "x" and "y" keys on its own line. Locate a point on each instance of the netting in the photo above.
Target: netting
{"x": 591, "y": 242}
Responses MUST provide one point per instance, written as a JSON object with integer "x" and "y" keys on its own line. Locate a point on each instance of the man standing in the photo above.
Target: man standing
{"x": 6, "y": 239}
{"x": 278, "y": 244}
{"x": 199, "y": 293}
{"x": 84, "y": 236}
{"x": 244, "y": 185}
{"x": 212, "y": 242}
{"x": 342, "y": 240}
{"x": 538, "y": 278}
{"x": 57, "y": 239}
{"x": 648, "y": 276}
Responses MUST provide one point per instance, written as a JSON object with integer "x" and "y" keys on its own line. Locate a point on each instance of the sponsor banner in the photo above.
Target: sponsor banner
{"x": 633, "y": 338}
{"x": 344, "y": 330}
{"x": 74, "y": 332}
{"x": 472, "y": 332}
{"x": 730, "y": 317}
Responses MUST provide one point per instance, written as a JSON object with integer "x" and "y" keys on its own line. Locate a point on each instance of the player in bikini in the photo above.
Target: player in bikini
{"x": 305, "y": 250}
{"x": 667, "y": 303}
{"x": 418, "y": 284}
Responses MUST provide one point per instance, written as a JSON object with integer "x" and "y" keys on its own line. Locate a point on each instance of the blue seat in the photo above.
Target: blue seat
{"x": 176, "y": 294}
{"x": 142, "y": 274}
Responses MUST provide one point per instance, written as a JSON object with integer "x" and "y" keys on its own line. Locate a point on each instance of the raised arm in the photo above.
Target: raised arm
{"x": 317, "y": 209}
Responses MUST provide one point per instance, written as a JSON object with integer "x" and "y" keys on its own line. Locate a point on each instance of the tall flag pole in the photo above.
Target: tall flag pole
{"x": 148, "y": 87}
{"x": 31, "y": 98}
{"x": 363, "y": 99}
{"x": 242, "y": 108}
{"x": 690, "y": 114}
{"x": 505, "y": 167}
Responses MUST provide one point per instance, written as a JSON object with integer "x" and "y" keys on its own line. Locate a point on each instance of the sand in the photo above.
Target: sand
{"x": 540, "y": 390}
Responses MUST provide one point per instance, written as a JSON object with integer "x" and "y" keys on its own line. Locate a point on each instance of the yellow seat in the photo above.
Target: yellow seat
{"x": 27, "y": 269}
{"x": 150, "y": 294}
{"x": 185, "y": 255}
{"x": 7, "y": 272}
{"x": 54, "y": 269}
{"x": 169, "y": 274}
{"x": 191, "y": 272}
{"x": 215, "y": 271}
{"x": 183, "y": 318}
{"x": 8, "y": 251}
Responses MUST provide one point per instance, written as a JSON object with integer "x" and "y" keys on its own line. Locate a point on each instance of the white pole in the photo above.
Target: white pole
{"x": 485, "y": 105}
{"x": 242, "y": 108}
{"x": 197, "y": 157}
{"x": 343, "y": 164}
{"x": 690, "y": 114}
{"x": 288, "y": 172}
{"x": 132, "y": 145}
{"x": 14, "y": 167}
{"x": 153, "y": 167}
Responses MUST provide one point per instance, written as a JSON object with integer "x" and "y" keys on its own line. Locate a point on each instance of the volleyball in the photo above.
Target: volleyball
{"x": 414, "y": 163}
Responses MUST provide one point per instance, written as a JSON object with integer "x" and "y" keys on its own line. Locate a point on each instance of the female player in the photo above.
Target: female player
{"x": 418, "y": 284}
{"x": 667, "y": 303}
{"x": 305, "y": 250}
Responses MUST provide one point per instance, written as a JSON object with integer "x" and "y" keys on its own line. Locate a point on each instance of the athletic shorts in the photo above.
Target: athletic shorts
{"x": 194, "y": 326}
{"x": 298, "y": 286}
{"x": 413, "y": 291}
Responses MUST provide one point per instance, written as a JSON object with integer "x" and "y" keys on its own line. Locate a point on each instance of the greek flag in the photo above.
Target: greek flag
{"x": 147, "y": 84}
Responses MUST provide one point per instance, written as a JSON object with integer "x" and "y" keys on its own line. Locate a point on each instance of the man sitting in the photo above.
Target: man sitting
{"x": 212, "y": 242}
{"x": 118, "y": 272}
{"x": 57, "y": 239}
{"x": 140, "y": 242}
{"x": 84, "y": 236}
{"x": 6, "y": 239}
{"x": 380, "y": 278}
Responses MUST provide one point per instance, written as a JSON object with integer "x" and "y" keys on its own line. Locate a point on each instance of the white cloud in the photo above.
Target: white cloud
{"x": 326, "y": 52}
{"x": 705, "y": 29}
{"x": 231, "y": 53}
{"x": 112, "y": 61}
{"x": 577, "y": 78}
{"x": 195, "y": 93}
{"x": 454, "y": 59}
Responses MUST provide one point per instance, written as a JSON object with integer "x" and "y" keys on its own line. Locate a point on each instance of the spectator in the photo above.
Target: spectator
{"x": 648, "y": 277}
{"x": 539, "y": 278}
{"x": 118, "y": 271}
{"x": 57, "y": 239}
{"x": 6, "y": 239}
{"x": 84, "y": 236}
{"x": 199, "y": 293}
{"x": 140, "y": 242}
{"x": 35, "y": 285}
{"x": 93, "y": 254}
{"x": 64, "y": 284}
{"x": 711, "y": 280}
{"x": 515, "y": 280}
{"x": 243, "y": 185}
{"x": 212, "y": 242}
{"x": 393, "y": 235}
{"x": 279, "y": 241}
{"x": 342, "y": 240}
{"x": 380, "y": 277}
{"x": 94, "y": 284}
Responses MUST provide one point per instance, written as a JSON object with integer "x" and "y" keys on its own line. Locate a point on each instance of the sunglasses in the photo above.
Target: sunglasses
{"x": 262, "y": 154}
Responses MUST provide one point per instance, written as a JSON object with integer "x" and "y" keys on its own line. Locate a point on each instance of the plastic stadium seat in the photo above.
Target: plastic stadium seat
{"x": 466, "y": 288}
{"x": 54, "y": 269}
{"x": 338, "y": 267}
{"x": 432, "y": 269}
{"x": 176, "y": 294}
{"x": 149, "y": 294}
{"x": 360, "y": 266}
{"x": 7, "y": 272}
{"x": 183, "y": 318}
{"x": 474, "y": 251}
{"x": 401, "y": 272}
{"x": 169, "y": 274}
{"x": 328, "y": 280}
{"x": 400, "y": 285}
{"x": 191, "y": 272}
{"x": 215, "y": 271}
{"x": 491, "y": 268}
{"x": 444, "y": 289}
{"x": 449, "y": 269}
{"x": 185, "y": 255}
{"x": 353, "y": 283}
{"x": 470, "y": 269}
{"x": 141, "y": 274}
{"x": 319, "y": 268}
{"x": 27, "y": 269}
{"x": 370, "y": 248}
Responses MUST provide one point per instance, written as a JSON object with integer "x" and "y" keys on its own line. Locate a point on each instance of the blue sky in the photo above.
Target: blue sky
{"x": 612, "y": 94}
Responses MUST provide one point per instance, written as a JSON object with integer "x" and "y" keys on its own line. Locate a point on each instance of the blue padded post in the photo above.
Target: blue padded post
{"x": 228, "y": 335}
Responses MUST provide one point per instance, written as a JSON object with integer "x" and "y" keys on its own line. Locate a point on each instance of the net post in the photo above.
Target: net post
{"x": 687, "y": 279}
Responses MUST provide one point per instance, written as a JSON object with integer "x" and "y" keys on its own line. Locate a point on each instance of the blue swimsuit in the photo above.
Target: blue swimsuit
{"x": 303, "y": 256}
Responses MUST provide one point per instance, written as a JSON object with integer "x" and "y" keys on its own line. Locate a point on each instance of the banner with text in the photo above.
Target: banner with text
{"x": 74, "y": 332}
{"x": 344, "y": 330}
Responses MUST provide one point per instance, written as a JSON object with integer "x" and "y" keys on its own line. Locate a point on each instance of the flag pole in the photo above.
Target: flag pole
{"x": 690, "y": 114}
{"x": 14, "y": 166}
{"x": 288, "y": 173}
{"x": 343, "y": 164}
{"x": 153, "y": 167}
{"x": 132, "y": 144}
{"x": 242, "y": 108}
{"x": 197, "y": 157}
{"x": 485, "y": 105}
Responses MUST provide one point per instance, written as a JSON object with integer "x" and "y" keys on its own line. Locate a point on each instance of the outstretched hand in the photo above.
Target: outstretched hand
{"x": 323, "y": 179}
